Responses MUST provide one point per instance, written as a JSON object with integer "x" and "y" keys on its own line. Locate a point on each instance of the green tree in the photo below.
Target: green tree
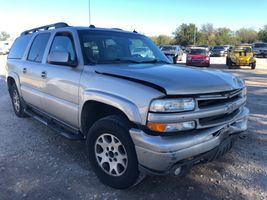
{"x": 225, "y": 36}
{"x": 247, "y": 35}
{"x": 262, "y": 34}
{"x": 185, "y": 34}
{"x": 4, "y": 36}
{"x": 207, "y": 34}
{"x": 162, "y": 39}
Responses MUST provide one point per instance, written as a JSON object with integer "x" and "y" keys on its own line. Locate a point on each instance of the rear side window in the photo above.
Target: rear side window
{"x": 38, "y": 47}
{"x": 18, "y": 48}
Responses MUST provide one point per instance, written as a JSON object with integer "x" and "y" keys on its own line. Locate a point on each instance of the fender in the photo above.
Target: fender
{"x": 16, "y": 78}
{"x": 126, "y": 106}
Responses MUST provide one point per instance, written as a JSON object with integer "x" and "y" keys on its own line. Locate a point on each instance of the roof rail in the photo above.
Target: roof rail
{"x": 46, "y": 27}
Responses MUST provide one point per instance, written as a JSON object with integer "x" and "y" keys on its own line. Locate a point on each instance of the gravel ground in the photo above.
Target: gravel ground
{"x": 35, "y": 163}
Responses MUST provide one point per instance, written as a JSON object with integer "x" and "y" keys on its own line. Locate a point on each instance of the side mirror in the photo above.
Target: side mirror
{"x": 60, "y": 58}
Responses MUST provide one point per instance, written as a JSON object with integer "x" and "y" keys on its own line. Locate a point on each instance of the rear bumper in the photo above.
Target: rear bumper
{"x": 159, "y": 155}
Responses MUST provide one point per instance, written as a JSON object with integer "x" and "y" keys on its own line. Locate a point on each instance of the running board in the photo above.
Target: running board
{"x": 66, "y": 131}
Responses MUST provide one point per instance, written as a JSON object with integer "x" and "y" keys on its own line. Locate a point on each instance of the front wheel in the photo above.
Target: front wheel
{"x": 112, "y": 153}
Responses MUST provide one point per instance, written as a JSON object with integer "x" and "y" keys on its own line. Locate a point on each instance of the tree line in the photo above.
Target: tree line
{"x": 207, "y": 34}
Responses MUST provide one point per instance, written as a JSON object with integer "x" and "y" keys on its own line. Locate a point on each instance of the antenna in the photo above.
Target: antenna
{"x": 89, "y": 11}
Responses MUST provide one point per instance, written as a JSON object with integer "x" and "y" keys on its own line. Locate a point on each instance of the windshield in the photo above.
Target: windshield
{"x": 246, "y": 49}
{"x": 107, "y": 47}
{"x": 198, "y": 51}
{"x": 260, "y": 45}
{"x": 168, "y": 48}
{"x": 218, "y": 48}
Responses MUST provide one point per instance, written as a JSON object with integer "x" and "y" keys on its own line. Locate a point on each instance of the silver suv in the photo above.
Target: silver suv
{"x": 138, "y": 113}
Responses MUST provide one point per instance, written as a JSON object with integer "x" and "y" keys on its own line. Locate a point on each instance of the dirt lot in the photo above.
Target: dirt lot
{"x": 35, "y": 163}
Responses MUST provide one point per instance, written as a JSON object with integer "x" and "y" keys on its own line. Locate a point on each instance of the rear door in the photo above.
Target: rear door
{"x": 61, "y": 91}
{"x": 32, "y": 82}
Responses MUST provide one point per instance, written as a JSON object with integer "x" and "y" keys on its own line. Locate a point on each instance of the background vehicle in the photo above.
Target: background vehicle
{"x": 198, "y": 56}
{"x": 217, "y": 51}
{"x": 260, "y": 49}
{"x": 4, "y": 47}
{"x": 173, "y": 51}
{"x": 138, "y": 114}
{"x": 241, "y": 55}
{"x": 205, "y": 46}
{"x": 188, "y": 47}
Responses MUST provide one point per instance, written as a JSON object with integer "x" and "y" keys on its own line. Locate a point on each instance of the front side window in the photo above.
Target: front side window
{"x": 63, "y": 42}
{"x": 105, "y": 47}
{"x": 38, "y": 47}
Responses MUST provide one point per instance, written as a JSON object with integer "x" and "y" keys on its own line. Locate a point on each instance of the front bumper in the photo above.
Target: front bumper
{"x": 159, "y": 155}
{"x": 198, "y": 63}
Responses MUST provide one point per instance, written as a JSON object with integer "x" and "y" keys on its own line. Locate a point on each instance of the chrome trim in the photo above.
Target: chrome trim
{"x": 200, "y": 113}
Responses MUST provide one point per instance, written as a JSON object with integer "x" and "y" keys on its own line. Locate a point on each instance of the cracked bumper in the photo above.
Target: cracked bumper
{"x": 160, "y": 154}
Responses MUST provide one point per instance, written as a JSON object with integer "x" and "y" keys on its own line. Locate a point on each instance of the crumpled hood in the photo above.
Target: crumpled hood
{"x": 176, "y": 80}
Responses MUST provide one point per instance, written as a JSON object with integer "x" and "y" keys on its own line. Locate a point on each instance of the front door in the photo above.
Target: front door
{"x": 61, "y": 96}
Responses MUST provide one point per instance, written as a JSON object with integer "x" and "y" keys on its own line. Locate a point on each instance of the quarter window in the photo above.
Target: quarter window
{"x": 18, "y": 48}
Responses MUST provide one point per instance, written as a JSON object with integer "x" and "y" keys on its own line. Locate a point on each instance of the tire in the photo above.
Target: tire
{"x": 229, "y": 63}
{"x": 17, "y": 102}
{"x": 109, "y": 139}
{"x": 253, "y": 65}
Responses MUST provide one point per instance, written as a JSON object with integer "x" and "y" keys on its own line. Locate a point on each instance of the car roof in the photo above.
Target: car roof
{"x": 203, "y": 48}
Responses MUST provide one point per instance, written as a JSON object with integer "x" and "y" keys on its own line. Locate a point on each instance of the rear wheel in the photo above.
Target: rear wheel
{"x": 112, "y": 152}
{"x": 17, "y": 103}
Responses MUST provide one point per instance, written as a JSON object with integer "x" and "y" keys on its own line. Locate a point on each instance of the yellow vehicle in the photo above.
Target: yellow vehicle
{"x": 241, "y": 55}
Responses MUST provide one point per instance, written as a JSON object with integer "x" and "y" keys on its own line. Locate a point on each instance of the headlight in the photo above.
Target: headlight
{"x": 172, "y": 105}
{"x": 244, "y": 92}
{"x": 221, "y": 51}
{"x": 233, "y": 58}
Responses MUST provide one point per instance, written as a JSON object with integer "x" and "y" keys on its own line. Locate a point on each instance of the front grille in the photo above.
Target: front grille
{"x": 230, "y": 101}
{"x": 216, "y": 102}
{"x": 218, "y": 118}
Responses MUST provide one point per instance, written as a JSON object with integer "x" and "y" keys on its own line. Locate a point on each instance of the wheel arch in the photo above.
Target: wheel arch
{"x": 101, "y": 104}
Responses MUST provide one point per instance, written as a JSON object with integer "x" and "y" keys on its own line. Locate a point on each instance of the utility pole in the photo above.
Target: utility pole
{"x": 89, "y": 11}
{"x": 195, "y": 33}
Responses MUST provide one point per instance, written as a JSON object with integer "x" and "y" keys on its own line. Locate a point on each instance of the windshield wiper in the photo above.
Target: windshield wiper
{"x": 155, "y": 61}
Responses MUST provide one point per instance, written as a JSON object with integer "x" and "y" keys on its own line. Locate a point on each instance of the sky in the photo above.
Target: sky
{"x": 150, "y": 17}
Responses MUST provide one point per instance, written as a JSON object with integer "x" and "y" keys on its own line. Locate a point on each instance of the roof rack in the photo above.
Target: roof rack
{"x": 46, "y": 27}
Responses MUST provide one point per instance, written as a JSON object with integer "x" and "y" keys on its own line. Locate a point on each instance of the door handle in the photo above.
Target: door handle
{"x": 43, "y": 74}
{"x": 24, "y": 70}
